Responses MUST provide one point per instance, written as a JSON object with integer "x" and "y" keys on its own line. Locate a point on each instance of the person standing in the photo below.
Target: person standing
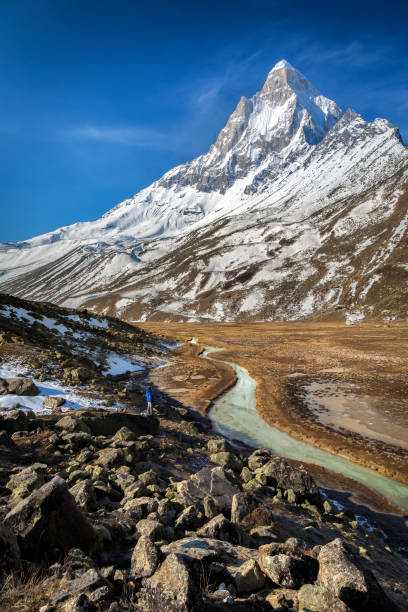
{"x": 149, "y": 401}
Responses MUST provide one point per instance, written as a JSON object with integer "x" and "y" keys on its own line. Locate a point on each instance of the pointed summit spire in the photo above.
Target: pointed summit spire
{"x": 282, "y": 64}
{"x": 284, "y": 76}
{"x": 283, "y": 68}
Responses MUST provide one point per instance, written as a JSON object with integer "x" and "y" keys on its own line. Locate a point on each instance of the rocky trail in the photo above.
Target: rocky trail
{"x": 105, "y": 509}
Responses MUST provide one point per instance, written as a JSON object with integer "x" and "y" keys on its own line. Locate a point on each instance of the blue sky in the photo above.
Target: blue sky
{"x": 99, "y": 98}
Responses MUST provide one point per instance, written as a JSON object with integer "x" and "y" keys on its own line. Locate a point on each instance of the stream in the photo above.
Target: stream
{"x": 234, "y": 415}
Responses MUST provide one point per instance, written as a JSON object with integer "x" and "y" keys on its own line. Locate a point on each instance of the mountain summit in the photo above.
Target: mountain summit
{"x": 274, "y": 221}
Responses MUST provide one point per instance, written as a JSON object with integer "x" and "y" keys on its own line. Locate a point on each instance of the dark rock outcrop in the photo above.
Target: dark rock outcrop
{"x": 9, "y": 553}
{"x": 314, "y": 597}
{"x": 18, "y": 386}
{"x": 242, "y": 505}
{"x": 27, "y": 480}
{"x": 214, "y": 482}
{"x": 145, "y": 558}
{"x": 282, "y": 475}
{"x": 221, "y": 528}
{"x": 20, "y": 421}
{"x": 342, "y": 573}
{"x": 285, "y": 571}
{"x": 107, "y": 423}
{"x": 175, "y": 586}
{"x": 48, "y": 523}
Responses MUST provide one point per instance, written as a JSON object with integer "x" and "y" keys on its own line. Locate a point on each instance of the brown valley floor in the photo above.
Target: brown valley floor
{"x": 341, "y": 388}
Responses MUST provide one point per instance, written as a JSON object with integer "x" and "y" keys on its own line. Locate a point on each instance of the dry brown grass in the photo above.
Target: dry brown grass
{"x": 24, "y": 592}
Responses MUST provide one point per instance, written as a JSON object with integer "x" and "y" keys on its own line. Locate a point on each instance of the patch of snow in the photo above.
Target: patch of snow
{"x": 19, "y": 313}
{"x": 353, "y": 317}
{"x": 73, "y": 399}
{"x": 353, "y": 286}
{"x": 75, "y": 318}
{"x": 374, "y": 279}
{"x": 170, "y": 345}
{"x": 96, "y": 323}
{"x": 52, "y": 324}
{"x": 22, "y": 313}
{"x": 306, "y": 307}
{"x": 117, "y": 364}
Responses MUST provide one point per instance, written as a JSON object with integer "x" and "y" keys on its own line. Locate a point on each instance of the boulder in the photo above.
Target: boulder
{"x": 145, "y": 558}
{"x": 242, "y": 504}
{"x": 136, "y": 489}
{"x": 221, "y": 528}
{"x": 111, "y": 457}
{"x": 248, "y": 577}
{"x": 78, "y": 562}
{"x": 126, "y": 434}
{"x": 175, "y": 587}
{"x": 84, "y": 494}
{"x": 21, "y": 421}
{"x": 188, "y": 519}
{"x": 286, "y": 571}
{"x": 291, "y": 496}
{"x": 210, "y": 548}
{"x": 53, "y": 402}
{"x": 86, "y": 583}
{"x": 48, "y": 523}
{"x": 283, "y": 600}
{"x": 313, "y": 597}
{"x": 9, "y": 553}
{"x": 227, "y": 460}
{"x": 18, "y": 386}
{"x": 77, "y": 440}
{"x": 209, "y": 507}
{"x": 282, "y": 475}
{"x": 72, "y": 424}
{"x": 246, "y": 475}
{"x": 108, "y": 422}
{"x": 149, "y": 477}
{"x": 5, "y": 440}
{"x": 224, "y": 601}
{"x": 218, "y": 445}
{"x": 215, "y": 482}
{"x": 26, "y": 481}
{"x": 140, "y": 507}
{"x": 343, "y": 573}
{"x": 263, "y": 535}
{"x": 192, "y": 548}
{"x": 150, "y": 528}
{"x": 258, "y": 458}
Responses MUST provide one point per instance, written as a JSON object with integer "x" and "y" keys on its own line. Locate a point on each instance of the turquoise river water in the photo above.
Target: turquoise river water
{"x": 234, "y": 415}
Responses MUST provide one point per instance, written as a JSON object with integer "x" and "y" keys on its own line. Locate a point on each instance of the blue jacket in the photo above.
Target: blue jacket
{"x": 148, "y": 395}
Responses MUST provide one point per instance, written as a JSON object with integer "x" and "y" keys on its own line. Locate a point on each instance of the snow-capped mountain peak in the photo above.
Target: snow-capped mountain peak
{"x": 282, "y": 64}
{"x": 288, "y": 176}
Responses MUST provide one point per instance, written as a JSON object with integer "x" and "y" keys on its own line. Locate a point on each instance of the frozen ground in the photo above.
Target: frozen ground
{"x": 117, "y": 364}
{"x": 73, "y": 399}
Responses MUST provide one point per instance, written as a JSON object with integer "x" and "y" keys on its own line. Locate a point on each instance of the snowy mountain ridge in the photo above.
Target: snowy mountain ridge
{"x": 288, "y": 173}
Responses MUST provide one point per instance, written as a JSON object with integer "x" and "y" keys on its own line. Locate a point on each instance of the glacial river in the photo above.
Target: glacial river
{"x": 234, "y": 415}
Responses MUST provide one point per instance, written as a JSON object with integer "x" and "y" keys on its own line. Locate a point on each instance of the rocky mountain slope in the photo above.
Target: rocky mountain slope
{"x": 298, "y": 209}
{"x": 112, "y": 510}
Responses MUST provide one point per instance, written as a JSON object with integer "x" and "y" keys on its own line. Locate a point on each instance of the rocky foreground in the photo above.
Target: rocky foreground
{"x": 104, "y": 510}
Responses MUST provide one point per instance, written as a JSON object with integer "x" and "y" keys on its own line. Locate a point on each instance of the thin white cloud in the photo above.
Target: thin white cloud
{"x": 205, "y": 92}
{"x": 357, "y": 53}
{"x": 130, "y": 135}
